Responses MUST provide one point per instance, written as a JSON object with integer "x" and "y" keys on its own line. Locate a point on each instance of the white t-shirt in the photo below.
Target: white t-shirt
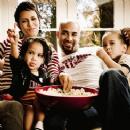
{"x": 84, "y": 67}
{"x": 125, "y": 60}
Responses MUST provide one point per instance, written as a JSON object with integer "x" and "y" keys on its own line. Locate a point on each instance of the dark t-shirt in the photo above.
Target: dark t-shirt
{"x": 23, "y": 80}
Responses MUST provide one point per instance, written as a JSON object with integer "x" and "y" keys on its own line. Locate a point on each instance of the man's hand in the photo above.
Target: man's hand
{"x": 66, "y": 81}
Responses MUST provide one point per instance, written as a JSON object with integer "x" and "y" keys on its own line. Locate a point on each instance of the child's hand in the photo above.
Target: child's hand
{"x": 12, "y": 35}
{"x": 101, "y": 53}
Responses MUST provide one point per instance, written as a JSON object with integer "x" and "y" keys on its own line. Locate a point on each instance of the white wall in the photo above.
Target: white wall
{"x": 127, "y": 13}
{"x": 61, "y": 11}
{"x": 0, "y": 17}
{"x": 122, "y": 13}
{"x": 7, "y": 8}
{"x": 66, "y": 10}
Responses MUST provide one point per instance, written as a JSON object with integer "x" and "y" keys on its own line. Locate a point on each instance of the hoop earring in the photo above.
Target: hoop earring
{"x": 21, "y": 34}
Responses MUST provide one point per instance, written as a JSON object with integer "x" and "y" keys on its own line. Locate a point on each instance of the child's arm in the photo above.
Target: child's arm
{"x": 109, "y": 62}
{"x": 13, "y": 39}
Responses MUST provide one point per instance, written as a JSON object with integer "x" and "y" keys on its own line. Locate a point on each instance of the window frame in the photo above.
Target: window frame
{"x": 121, "y": 15}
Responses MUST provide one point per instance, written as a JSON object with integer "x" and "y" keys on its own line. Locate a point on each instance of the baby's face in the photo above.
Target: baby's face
{"x": 113, "y": 45}
{"x": 34, "y": 56}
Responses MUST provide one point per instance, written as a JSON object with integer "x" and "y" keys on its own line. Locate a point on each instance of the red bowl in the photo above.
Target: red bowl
{"x": 66, "y": 102}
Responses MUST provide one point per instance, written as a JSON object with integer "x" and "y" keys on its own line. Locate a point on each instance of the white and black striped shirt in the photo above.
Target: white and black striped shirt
{"x": 6, "y": 77}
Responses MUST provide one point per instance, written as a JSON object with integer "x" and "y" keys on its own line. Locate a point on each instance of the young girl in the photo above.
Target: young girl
{"x": 113, "y": 52}
{"x": 113, "y": 101}
{"x": 28, "y": 72}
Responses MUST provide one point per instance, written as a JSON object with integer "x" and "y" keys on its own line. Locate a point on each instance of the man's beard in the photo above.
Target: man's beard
{"x": 74, "y": 49}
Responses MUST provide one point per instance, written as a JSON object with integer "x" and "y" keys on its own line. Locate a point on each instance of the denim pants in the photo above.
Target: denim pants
{"x": 11, "y": 115}
{"x": 72, "y": 120}
{"x": 113, "y": 102}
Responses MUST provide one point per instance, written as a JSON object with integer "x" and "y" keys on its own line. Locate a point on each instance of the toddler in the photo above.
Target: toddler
{"x": 28, "y": 72}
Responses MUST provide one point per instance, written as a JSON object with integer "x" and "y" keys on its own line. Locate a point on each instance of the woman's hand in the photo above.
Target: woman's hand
{"x": 13, "y": 39}
{"x": 66, "y": 81}
{"x": 13, "y": 35}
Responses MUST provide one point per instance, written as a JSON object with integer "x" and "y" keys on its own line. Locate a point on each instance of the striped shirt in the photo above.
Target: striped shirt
{"x": 6, "y": 77}
{"x": 53, "y": 66}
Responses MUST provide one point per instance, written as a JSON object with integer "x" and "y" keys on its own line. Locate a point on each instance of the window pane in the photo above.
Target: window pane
{"x": 95, "y": 13}
{"x": 90, "y": 38}
{"x": 106, "y": 14}
{"x": 47, "y": 11}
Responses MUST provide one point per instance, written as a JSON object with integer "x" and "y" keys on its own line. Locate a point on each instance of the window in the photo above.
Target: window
{"x": 92, "y": 15}
{"x": 97, "y": 15}
{"x": 89, "y": 14}
{"x": 47, "y": 11}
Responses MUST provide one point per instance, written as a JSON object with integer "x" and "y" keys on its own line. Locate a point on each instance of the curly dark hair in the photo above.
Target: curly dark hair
{"x": 46, "y": 48}
{"x": 125, "y": 35}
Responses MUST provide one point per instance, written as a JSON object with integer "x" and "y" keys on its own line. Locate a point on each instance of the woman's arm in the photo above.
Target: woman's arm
{"x": 1, "y": 63}
{"x": 13, "y": 39}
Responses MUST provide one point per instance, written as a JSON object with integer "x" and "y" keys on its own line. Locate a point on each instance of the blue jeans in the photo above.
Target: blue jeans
{"x": 72, "y": 120}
